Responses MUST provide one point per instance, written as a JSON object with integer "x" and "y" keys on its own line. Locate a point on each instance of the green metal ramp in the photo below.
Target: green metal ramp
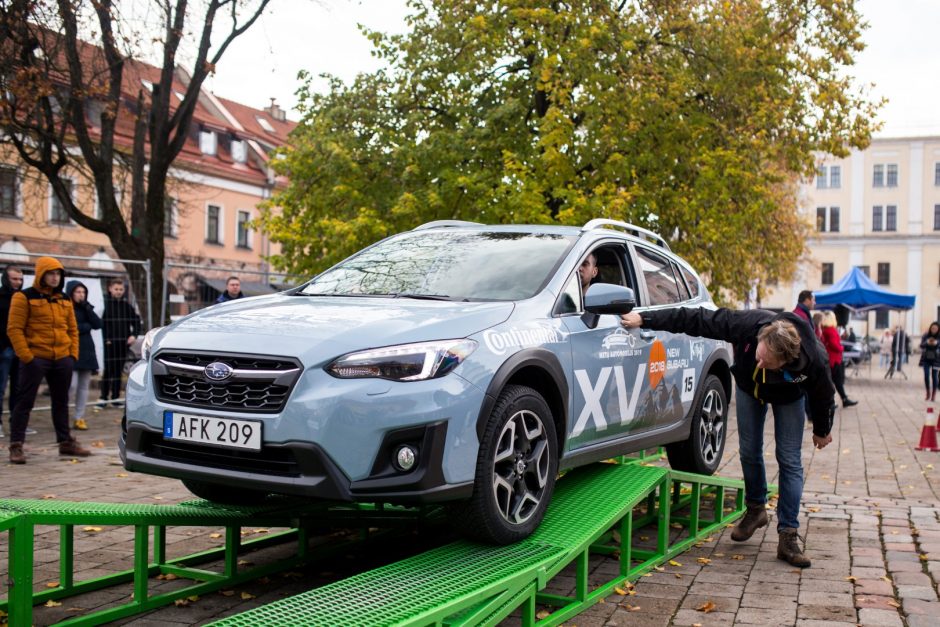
{"x": 594, "y": 510}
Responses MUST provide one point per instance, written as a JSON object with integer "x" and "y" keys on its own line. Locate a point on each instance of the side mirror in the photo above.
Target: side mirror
{"x": 606, "y": 298}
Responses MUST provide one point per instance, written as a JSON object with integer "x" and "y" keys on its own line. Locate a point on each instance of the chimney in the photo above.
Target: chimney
{"x": 275, "y": 111}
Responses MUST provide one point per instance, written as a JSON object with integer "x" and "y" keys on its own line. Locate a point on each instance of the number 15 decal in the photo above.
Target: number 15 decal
{"x": 688, "y": 384}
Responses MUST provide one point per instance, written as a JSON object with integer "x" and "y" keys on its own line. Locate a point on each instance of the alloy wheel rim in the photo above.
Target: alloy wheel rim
{"x": 712, "y": 426}
{"x": 520, "y": 467}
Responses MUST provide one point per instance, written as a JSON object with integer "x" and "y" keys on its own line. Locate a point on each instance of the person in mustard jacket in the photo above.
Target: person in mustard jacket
{"x": 44, "y": 335}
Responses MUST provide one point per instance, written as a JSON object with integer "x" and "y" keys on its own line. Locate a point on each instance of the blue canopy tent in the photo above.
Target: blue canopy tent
{"x": 859, "y": 293}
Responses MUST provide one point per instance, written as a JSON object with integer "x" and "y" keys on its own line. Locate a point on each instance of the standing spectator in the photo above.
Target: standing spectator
{"x": 777, "y": 359}
{"x": 233, "y": 290}
{"x": 87, "y": 320}
{"x": 830, "y": 339}
{"x": 804, "y": 306}
{"x": 900, "y": 349}
{"x": 930, "y": 360}
{"x": 121, "y": 328}
{"x": 44, "y": 335}
{"x": 10, "y": 283}
{"x": 884, "y": 352}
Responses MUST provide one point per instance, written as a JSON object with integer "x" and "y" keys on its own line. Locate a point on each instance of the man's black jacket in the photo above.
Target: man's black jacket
{"x": 809, "y": 372}
{"x": 6, "y": 298}
{"x": 120, "y": 320}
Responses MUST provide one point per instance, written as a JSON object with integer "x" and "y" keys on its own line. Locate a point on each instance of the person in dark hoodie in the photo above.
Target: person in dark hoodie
{"x": 87, "y": 320}
{"x": 777, "y": 359}
{"x": 121, "y": 328}
{"x": 233, "y": 290}
{"x": 44, "y": 335}
{"x": 10, "y": 283}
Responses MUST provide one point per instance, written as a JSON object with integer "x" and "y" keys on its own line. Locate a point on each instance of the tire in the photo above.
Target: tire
{"x": 224, "y": 494}
{"x": 701, "y": 452}
{"x": 516, "y": 470}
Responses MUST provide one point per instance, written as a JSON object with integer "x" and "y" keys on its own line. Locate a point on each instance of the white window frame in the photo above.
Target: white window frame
{"x": 892, "y": 169}
{"x": 242, "y": 155}
{"x": 878, "y": 175}
{"x": 52, "y": 200}
{"x": 173, "y": 218}
{"x": 821, "y": 177}
{"x": 893, "y": 209}
{"x": 17, "y": 193}
{"x": 221, "y": 234}
{"x": 833, "y": 211}
{"x": 208, "y": 141}
{"x": 835, "y": 177}
{"x": 878, "y": 225}
{"x": 263, "y": 123}
{"x": 238, "y": 222}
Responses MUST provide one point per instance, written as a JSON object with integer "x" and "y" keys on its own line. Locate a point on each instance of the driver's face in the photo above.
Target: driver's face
{"x": 588, "y": 270}
{"x": 767, "y": 359}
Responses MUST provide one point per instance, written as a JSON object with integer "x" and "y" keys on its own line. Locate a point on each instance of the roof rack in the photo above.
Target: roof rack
{"x": 632, "y": 229}
{"x": 445, "y": 223}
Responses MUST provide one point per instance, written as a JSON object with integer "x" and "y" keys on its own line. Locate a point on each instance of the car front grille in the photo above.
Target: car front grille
{"x": 258, "y": 383}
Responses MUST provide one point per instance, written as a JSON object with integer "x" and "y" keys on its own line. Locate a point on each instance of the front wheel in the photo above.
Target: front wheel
{"x": 701, "y": 452}
{"x": 516, "y": 469}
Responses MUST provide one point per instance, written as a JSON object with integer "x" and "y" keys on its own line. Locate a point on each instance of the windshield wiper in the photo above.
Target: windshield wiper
{"x": 422, "y": 296}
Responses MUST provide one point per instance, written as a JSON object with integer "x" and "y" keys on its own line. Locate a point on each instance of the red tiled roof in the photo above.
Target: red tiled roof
{"x": 249, "y": 118}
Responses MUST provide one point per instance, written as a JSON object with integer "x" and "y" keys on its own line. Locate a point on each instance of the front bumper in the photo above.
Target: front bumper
{"x": 299, "y": 468}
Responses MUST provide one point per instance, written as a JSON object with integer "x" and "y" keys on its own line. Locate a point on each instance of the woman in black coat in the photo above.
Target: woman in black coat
{"x": 930, "y": 359}
{"x": 87, "y": 363}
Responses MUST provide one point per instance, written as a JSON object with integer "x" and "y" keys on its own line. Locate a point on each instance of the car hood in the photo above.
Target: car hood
{"x": 317, "y": 328}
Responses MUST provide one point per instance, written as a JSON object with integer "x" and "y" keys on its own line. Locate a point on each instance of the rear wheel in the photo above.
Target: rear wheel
{"x": 701, "y": 452}
{"x": 516, "y": 469}
{"x": 224, "y": 494}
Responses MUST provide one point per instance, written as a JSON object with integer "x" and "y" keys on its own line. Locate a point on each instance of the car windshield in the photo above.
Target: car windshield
{"x": 453, "y": 265}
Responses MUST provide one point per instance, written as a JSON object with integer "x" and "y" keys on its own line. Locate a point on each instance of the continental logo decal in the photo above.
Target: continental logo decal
{"x": 499, "y": 342}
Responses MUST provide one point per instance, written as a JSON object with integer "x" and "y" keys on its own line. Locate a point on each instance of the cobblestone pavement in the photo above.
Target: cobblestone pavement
{"x": 869, "y": 518}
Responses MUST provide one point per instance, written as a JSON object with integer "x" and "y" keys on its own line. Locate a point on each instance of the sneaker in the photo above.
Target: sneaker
{"x": 31, "y": 431}
{"x": 80, "y": 424}
{"x": 72, "y": 448}
{"x": 17, "y": 456}
{"x": 754, "y": 519}
{"x": 788, "y": 549}
{"x": 849, "y": 403}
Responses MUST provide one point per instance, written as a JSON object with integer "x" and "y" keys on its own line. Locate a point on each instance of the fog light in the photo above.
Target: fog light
{"x": 405, "y": 457}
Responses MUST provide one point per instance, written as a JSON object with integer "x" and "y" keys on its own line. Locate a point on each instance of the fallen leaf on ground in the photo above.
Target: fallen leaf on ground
{"x": 260, "y": 530}
{"x": 629, "y": 607}
{"x": 227, "y": 593}
{"x": 737, "y": 557}
{"x": 48, "y": 496}
{"x": 542, "y": 614}
{"x": 98, "y": 443}
{"x": 894, "y": 604}
{"x": 703, "y": 560}
{"x": 215, "y": 535}
{"x": 121, "y": 474}
{"x": 245, "y": 563}
{"x": 707, "y": 607}
{"x": 674, "y": 563}
{"x": 51, "y": 603}
{"x": 247, "y": 595}
{"x": 157, "y": 498}
{"x": 52, "y": 584}
{"x": 851, "y": 578}
{"x": 92, "y": 529}
{"x": 167, "y": 577}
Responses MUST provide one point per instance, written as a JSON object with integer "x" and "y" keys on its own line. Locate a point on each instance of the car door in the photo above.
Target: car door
{"x": 673, "y": 368}
{"x": 606, "y": 383}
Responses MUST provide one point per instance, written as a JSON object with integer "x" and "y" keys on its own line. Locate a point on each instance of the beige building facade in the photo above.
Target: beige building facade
{"x": 878, "y": 209}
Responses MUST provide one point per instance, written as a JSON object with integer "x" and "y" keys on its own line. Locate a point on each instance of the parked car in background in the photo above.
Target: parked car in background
{"x": 457, "y": 362}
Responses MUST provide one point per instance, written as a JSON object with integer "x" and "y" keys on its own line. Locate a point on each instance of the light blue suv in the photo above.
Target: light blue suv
{"x": 458, "y": 363}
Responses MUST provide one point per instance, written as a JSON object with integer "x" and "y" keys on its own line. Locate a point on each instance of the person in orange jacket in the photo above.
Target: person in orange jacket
{"x": 44, "y": 335}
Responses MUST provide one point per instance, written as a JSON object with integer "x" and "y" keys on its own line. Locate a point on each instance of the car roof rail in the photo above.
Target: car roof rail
{"x": 445, "y": 223}
{"x": 632, "y": 229}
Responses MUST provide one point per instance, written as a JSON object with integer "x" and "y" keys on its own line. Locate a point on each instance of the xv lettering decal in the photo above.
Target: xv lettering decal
{"x": 593, "y": 410}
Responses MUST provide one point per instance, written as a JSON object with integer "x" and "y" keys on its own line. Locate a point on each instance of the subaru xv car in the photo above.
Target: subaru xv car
{"x": 458, "y": 363}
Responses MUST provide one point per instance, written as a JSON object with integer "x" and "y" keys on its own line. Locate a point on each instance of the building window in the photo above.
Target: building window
{"x": 821, "y": 177}
{"x": 891, "y": 175}
{"x": 243, "y": 232}
{"x": 866, "y": 270}
{"x": 891, "y": 218}
{"x": 239, "y": 151}
{"x": 936, "y": 173}
{"x": 821, "y": 219}
{"x": 213, "y": 224}
{"x": 835, "y": 177}
{"x": 878, "y": 175}
{"x": 833, "y": 219}
{"x": 58, "y": 214}
{"x": 881, "y": 319}
{"x": 827, "y": 273}
{"x": 170, "y": 217}
{"x": 208, "y": 142}
{"x": 877, "y": 218}
{"x": 884, "y": 273}
{"x": 8, "y": 195}
{"x": 936, "y": 217}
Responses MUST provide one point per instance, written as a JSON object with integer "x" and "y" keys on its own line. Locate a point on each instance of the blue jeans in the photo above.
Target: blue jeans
{"x": 788, "y": 437}
{"x": 8, "y": 371}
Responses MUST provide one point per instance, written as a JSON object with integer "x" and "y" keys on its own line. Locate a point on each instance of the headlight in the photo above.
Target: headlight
{"x": 406, "y": 362}
{"x": 148, "y": 343}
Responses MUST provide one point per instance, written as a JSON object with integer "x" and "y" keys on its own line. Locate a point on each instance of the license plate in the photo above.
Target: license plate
{"x": 226, "y": 432}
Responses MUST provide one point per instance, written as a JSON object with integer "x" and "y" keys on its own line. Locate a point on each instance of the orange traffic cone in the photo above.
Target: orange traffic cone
{"x": 928, "y": 435}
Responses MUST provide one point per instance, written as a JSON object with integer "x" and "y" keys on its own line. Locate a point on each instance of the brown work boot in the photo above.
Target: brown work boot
{"x": 788, "y": 549}
{"x": 72, "y": 448}
{"x": 754, "y": 518}
{"x": 17, "y": 456}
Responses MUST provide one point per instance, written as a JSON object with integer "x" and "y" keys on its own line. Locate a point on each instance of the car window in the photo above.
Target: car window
{"x": 660, "y": 281}
{"x": 570, "y": 300}
{"x": 691, "y": 280}
{"x": 455, "y": 264}
{"x": 683, "y": 290}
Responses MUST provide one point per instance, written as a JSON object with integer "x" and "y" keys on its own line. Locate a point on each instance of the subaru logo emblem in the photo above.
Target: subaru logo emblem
{"x": 218, "y": 371}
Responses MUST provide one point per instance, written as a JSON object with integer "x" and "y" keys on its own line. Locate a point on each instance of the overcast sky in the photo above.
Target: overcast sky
{"x": 321, "y": 36}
